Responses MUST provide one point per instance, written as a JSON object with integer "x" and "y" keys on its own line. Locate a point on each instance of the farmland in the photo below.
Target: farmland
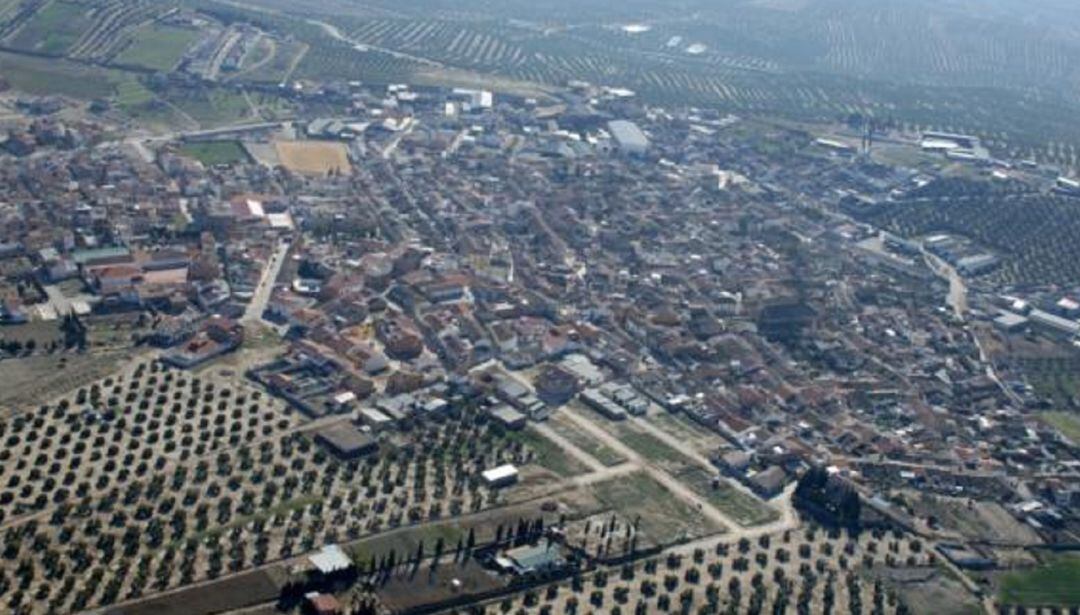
{"x": 151, "y": 478}
{"x": 743, "y": 508}
{"x": 808, "y": 572}
{"x": 40, "y": 76}
{"x": 54, "y": 29}
{"x": 807, "y": 61}
{"x": 1056, "y": 582}
{"x": 157, "y": 48}
{"x": 1033, "y": 232}
{"x": 664, "y": 519}
{"x": 1068, "y": 423}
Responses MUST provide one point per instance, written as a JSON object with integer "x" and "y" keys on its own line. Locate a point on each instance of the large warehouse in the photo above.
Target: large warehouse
{"x": 629, "y": 137}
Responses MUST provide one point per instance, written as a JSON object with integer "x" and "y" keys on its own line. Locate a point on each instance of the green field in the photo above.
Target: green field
{"x": 277, "y": 68}
{"x": 599, "y": 451}
{"x": 40, "y": 76}
{"x": 652, "y": 448}
{"x": 1068, "y": 423}
{"x": 745, "y": 509}
{"x": 130, "y": 94}
{"x": 547, "y": 454}
{"x": 1056, "y": 583}
{"x": 664, "y": 519}
{"x": 54, "y": 29}
{"x": 157, "y": 47}
{"x": 211, "y": 108}
{"x": 213, "y": 153}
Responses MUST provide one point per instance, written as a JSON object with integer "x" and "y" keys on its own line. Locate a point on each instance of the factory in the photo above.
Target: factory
{"x": 629, "y": 138}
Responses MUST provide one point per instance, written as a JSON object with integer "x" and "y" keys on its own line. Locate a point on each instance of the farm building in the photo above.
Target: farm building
{"x": 527, "y": 559}
{"x": 329, "y": 560}
{"x": 501, "y": 476}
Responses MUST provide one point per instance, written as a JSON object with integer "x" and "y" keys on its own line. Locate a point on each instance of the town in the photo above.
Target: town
{"x": 432, "y": 349}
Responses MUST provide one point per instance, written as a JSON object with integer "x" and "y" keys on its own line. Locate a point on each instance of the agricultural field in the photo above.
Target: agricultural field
{"x": 275, "y": 69}
{"x": 152, "y": 478}
{"x": 25, "y": 381}
{"x": 210, "y": 107}
{"x": 54, "y": 29}
{"x": 332, "y": 60}
{"x": 806, "y": 572}
{"x": 972, "y": 520}
{"x": 1068, "y": 423}
{"x": 1054, "y": 378}
{"x": 701, "y": 439}
{"x": 1054, "y": 583}
{"x": 745, "y": 509}
{"x": 212, "y": 153}
{"x": 157, "y": 47}
{"x": 1032, "y": 232}
{"x": 546, "y": 454}
{"x": 313, "y": 157}
{"x": 130, "y": 93}
{"x": 598, "y": 450}
{"x": 39, "y": 76}
{"x": 662, "y": 518}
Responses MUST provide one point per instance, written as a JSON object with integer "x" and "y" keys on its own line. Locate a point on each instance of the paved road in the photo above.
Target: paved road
{"x": 265, "y": 288}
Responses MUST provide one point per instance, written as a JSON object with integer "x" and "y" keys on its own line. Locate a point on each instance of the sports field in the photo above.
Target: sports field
{"x": 313, "y": 157}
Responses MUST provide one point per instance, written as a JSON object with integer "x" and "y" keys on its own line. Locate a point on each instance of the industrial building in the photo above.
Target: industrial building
{"x": 629, "y": 138}
{"x": 346, "y": 442}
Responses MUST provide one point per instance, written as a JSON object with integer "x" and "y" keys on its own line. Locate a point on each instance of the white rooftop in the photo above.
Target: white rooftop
{"x": 330, "y": 559}
{"x": 500, "y": 473}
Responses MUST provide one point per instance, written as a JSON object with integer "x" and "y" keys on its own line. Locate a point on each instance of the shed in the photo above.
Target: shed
{"x": 501, "y": 476}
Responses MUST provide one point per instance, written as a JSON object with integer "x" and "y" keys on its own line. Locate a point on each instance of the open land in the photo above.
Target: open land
{"x": 313, "y": 157}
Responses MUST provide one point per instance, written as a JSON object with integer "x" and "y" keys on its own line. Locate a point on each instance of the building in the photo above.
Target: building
{"x": 374, "y": 419}
{"x": 615, "y": 401}
{"x": 330, "y": 559}
{"x": 977, "y": 264}
{"x": 1010, "y": 323}
{"x": 629, "y": 138}
{"x": 508, "y": 417}
{"x": 530, "y": 559}
{"x": 502, "y": 476}
{"x": 595, "y": 400}
{"x": 322, "y": 604}
{"x": 768, "y": 483}
{"x": 346, "y": 442}
{"x": 1054, "y": 324}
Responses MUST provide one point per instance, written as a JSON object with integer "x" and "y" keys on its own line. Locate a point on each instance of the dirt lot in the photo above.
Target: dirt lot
{"x": 664, "y": 519}
{"x": 929, "y": 590}
{"x": 974, "y": 521}
{"x": 25, "y": 382}
{"x": 313, "y": 157}
{"x": 235, "y": 592}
